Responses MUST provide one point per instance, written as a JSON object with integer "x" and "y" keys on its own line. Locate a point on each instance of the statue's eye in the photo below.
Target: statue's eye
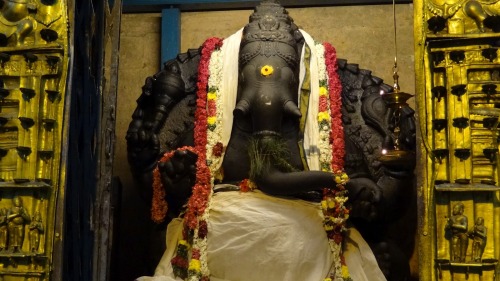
{"x": 266, "y": 70}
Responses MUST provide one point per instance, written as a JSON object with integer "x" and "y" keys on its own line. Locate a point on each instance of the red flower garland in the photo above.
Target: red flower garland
{"x": 335, "y": 90}
{"x": 202, "y": 188}
{"x": 338, "y": 150}
{"x": 159, "y": 206}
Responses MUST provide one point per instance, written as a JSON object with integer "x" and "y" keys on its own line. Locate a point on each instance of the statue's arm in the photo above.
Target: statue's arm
{"x": 25, "y": 215}
{"x": 460, "y": 223}
{"x": 12, "y": 215}
{"x": 163, "y": 122}
{"x": 292, "y": 183}
{"x": 160, "y": 94}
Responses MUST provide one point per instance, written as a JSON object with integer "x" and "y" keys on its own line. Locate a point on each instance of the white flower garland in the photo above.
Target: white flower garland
{"x": 324, "y": 120}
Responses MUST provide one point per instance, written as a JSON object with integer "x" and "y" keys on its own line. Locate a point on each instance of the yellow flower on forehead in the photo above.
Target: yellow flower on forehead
{"x": 323, "y": 91}
{"x": 211, "y": 95}
{"x": 266, "y": 70}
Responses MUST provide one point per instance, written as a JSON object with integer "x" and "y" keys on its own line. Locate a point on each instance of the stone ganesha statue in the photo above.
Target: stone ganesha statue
{"x": 246, "y": 111}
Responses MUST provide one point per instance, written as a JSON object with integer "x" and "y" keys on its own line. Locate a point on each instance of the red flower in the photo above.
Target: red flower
{"x": 244, "y": 185}
{"x": 179, "y": 262}
{"x": 195, "y": 254}
{"x": 203, "y": 229}
{"x": 337, "y": 237}
{"x": 212, "y": 108}
{"x": 218, "y": 149}
{"x": 323, "y": 104}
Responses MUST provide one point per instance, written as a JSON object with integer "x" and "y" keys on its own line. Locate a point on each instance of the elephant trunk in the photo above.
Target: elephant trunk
{"x": 272, "y": 172}
{"x": 268, "y": 104}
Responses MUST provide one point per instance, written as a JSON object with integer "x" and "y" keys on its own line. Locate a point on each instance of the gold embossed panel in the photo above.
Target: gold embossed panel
{"x": 458, "y": 86}
{"x": 33, "y": 71}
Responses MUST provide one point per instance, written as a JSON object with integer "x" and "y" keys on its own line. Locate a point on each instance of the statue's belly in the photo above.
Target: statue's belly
{"x": 253, "y": 236}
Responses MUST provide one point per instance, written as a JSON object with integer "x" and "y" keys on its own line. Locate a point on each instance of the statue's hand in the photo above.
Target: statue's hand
{"x": 365, "y": 198}
{"x": 178, "y": 176}
{"x": 181, "y": 165}
{"x": 142, "y": 142}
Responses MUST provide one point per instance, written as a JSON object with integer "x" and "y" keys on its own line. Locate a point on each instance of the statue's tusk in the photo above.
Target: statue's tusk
{"x": 290, "y": 108}
{"x": 242, "y": 108}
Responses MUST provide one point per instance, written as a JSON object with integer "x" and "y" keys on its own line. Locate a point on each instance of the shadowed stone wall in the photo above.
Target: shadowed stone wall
{"x": 361, "y": 34}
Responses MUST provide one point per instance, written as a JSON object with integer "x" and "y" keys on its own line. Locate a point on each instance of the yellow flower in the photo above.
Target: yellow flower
{"x": 338, "y": 179}
{"x": 345, "y": 272}
{"x": 183, "y": 242}
{"x": 251, "y": 185}
{"x": 331, "y": 204}
{"x": 328, "y": 227}
{"x": 323, "y": 91}
{"x": 328, "y": 279}
{"x": 211, "y": 120}
{"x": 195, "y": 265}
{"x": 344, "y": 176}
{"x": 211, "y": 95}
{"x": 323, "y": 116}
{"x": 324, "y": 205}
{"x": 266, "y": 70}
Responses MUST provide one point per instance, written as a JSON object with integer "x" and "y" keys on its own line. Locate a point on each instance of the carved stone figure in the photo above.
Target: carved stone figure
{"x": 458, "y": 225}
{"x": 17, "y": 217}
{"x": 478, "y": 235}
{"x": 3, "y": 229}
{"x": 36, "y": 228}
{"x": 268, "y": 142}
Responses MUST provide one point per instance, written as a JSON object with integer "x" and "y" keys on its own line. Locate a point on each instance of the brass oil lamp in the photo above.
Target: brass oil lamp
{"x": 397, "y": 101}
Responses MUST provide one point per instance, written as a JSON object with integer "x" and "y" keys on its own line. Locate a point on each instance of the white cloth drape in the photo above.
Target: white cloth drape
{"x": 253, "y": 236}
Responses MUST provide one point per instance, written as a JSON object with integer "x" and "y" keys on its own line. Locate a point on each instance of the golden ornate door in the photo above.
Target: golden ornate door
{"x": 33, "y": 72}
{"x": 458, "y": 79}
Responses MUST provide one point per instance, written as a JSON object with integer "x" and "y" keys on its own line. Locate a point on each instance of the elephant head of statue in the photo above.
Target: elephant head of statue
{"x": 268, "y": 70}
